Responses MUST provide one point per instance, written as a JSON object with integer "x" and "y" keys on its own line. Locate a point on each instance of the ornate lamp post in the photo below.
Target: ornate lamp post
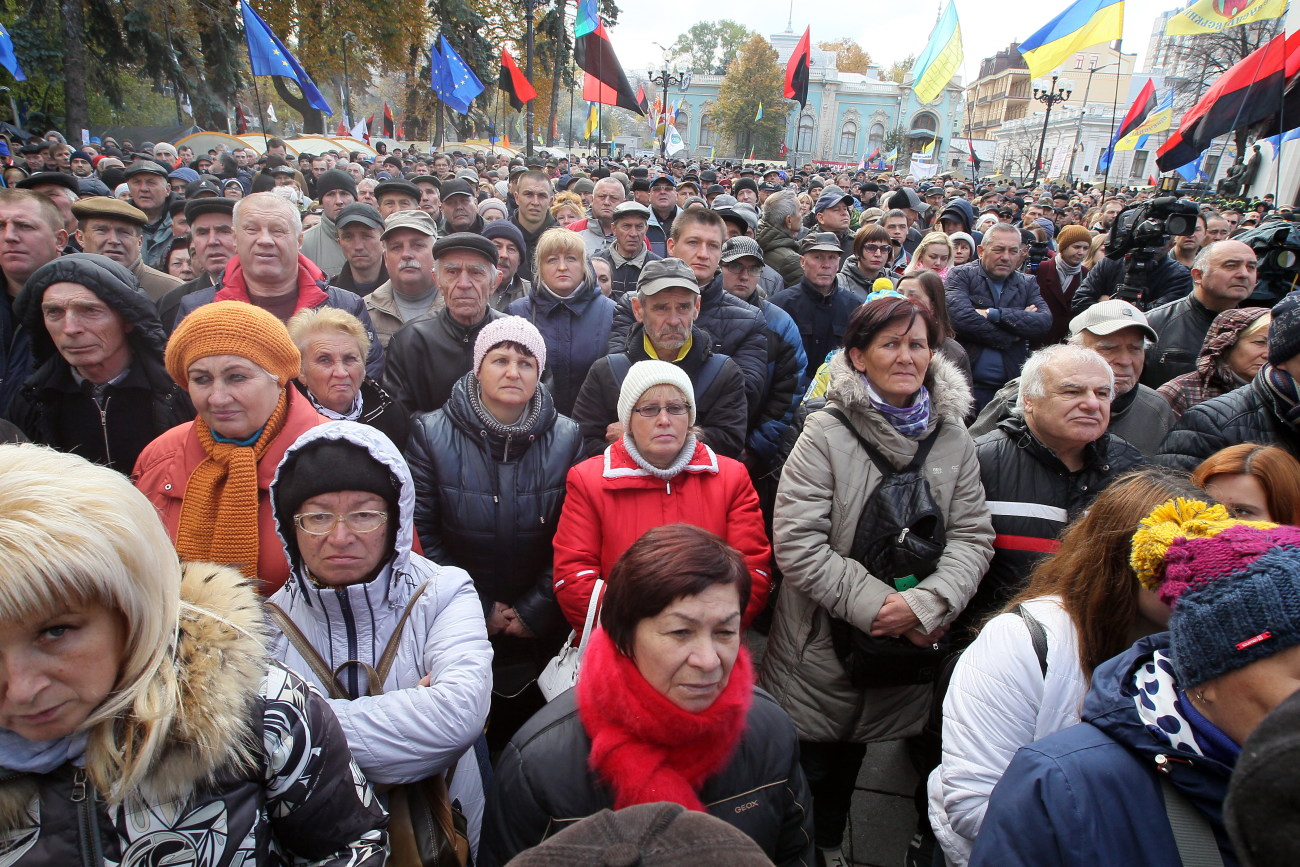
{"x": 676, "y": 76}
{"x": 1049, "y": 95}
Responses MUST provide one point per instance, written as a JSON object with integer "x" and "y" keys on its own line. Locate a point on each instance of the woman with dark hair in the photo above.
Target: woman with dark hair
{"x": 1234, "y": 349}
{"x": 1091, "y": 606}
{"x": 871, "y": 255}
{"x": 665, "y": 710}
{"x": 1253, "y": 482}
{"x": 925, "y": 288}
{"x": 890, "y": 390}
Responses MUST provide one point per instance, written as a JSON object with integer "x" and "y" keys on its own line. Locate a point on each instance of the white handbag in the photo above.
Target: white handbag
{"x": 561, "y": 673}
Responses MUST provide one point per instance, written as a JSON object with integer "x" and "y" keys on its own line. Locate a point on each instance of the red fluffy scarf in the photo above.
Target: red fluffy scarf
{"x": 234, "y": 286}
{"x": 644, "y": 746}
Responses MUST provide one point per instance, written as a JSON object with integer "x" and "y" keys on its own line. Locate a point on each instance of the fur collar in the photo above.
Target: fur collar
{"x": 950, "y": 396}
{"x": 220, "y": 662}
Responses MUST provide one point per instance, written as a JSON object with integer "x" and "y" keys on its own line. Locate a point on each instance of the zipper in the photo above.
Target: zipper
{"x": 103, "y": 428}
{"x": 85, "y": 797}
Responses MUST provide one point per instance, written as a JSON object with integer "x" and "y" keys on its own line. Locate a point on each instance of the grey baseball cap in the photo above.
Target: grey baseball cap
{"x": 664, "y": 274}
{"x": 631, "y": 209}
{"x": 418, "y": 220}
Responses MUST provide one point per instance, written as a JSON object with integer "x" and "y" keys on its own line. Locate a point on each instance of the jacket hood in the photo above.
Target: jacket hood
{"x": 950, "y": 396}
{"x": 111, "y": 283}
{"x": 382, "y": 449}
{"x": 961, "y": 210}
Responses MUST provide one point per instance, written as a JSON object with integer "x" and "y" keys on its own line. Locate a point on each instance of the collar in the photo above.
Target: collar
{"x": 620, "y": 261}
{"x": 650, "y": 350}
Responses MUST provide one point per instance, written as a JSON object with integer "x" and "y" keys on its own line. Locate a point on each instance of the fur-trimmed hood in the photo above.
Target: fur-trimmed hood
{"x": 950, "y": 396}
{"x": 220, "y": 661}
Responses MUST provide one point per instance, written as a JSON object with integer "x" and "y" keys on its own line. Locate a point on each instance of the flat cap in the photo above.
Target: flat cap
{"x": 465, "y": 241}
{"x": 405, "y": 188}
{"x": 361, "y": 213}
{"x": 195, "y": 208}
{"x": 825, "y": 241}
{"x": 45, "y": 179}
{"x": 631, "y": 209}
{"x": 417, "y": 220}
{"x": 147, "y": 167}
{"x": 109, "y": 208}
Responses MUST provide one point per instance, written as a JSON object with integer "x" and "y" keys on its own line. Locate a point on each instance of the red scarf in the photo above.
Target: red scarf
{"x": 644, "y": 746}
{"x": 234, "y": 287}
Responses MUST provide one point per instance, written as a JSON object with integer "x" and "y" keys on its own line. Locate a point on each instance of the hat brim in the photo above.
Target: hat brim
{"x": 1110, "y": 326}
{"x": 654, "y": 287}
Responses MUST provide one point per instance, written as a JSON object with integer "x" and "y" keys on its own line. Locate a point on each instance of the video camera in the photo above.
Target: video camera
{"x": 1277, "y": 244}
{"x": 1037, "y": 253}
{"x": 1139, "y": 236}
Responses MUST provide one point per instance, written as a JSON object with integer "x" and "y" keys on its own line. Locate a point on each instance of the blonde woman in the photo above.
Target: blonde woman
{"x": 934, "y": 253}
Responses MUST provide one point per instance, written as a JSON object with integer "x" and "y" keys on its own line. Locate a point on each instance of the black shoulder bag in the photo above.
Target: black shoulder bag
{"x": 899, "y": 539}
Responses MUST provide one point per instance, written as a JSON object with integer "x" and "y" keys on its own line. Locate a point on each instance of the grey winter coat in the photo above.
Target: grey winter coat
{"x": 824, "y": 486}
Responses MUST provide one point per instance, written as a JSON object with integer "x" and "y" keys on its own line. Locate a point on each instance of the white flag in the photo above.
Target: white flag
{"x": 270, "y": 113}
{"x": 675, "y": 142}
{"x": 185, "y": 105}
{"x": 361, "y": 131}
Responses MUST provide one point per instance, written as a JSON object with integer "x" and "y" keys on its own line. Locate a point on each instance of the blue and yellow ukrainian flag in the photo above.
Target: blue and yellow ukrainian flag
{"x": 593, "y": 121}
{"x": 941, "y": 58}
{"x": 759, "y": 116}
{"x": 1084, "y": 23}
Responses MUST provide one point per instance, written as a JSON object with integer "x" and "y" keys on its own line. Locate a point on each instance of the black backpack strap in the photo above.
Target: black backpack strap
{"x": 619, "y": 365}
{"x": 1193, "y": 836}
{"x": 882, "y": 463}
{"x": 1037, "y": 634}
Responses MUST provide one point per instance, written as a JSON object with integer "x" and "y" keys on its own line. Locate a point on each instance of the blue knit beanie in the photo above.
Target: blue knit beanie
{"x": 1284, "y": 330}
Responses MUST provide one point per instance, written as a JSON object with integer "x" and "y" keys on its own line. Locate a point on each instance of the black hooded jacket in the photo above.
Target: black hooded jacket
{"x": 53, "y": 408}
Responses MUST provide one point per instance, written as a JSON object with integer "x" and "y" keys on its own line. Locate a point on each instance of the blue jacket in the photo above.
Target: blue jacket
{"x": 1009, "y": 327}
{"x": 787, "y": 377}
{"x": 576, "y": 331}
{"x": 1090, "y": 795}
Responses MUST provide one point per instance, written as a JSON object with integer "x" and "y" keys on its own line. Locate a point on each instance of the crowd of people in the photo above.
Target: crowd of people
{"x": 320, "y": 467}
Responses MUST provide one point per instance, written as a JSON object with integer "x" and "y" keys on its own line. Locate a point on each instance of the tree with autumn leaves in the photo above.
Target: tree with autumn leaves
{"x": 753, "y": 78}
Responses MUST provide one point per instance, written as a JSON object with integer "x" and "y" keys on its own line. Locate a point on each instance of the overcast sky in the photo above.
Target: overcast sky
{"x": 889, "y": 33}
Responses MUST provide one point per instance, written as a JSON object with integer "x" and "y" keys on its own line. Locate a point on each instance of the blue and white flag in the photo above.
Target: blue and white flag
{"x": 267, "y": 55}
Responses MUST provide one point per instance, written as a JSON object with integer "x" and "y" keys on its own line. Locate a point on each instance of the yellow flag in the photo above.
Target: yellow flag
{"x": 593, "y": 122}
{"x": 1212, "y": 16}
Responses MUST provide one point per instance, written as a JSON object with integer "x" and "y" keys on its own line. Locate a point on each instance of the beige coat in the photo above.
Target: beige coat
{"x": 385, "y": 315}
{"x": 824, "y": 486}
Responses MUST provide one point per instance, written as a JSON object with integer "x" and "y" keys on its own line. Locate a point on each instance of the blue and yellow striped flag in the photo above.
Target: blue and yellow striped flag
{"x": 941, "y": 58}
{"x": 759, "y": 116}
{"x": 1084, "y": 23}
{"x": 593, "y": 121}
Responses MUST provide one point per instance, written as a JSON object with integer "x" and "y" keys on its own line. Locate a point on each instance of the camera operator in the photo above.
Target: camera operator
{"x": 1138, "y": 234}
{"x": 1223, "y": 275}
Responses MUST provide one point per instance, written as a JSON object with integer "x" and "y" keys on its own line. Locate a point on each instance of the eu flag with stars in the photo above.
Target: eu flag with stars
{"x": 268, "y": 56}
{"x": 9, "y": 59}
{"x": 451, "y": 78}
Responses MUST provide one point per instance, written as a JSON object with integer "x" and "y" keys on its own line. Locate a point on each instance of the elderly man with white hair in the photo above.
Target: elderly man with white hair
{"x": 1043, "y": 466}
{"x": 269, "y": 271}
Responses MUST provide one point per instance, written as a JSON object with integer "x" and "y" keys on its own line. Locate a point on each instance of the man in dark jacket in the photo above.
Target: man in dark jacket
{"x": 663, "y": 211}
{"x": 666, "y": 305}
{"x": 996, "y": 311}
{"x": 269, "y": 271}
{"x": 959, "y": 216}
{"x": 212, "y": 245}
{"x": 818, "y": 304}
{"x": 534, "y": 194}
{"x": 427, "y": 356}
{"x": 1224, "y": 276}
{"x": 777, "y": 234}
{"x": 31, "y": 234}
{"x": 359, "y": 229}
{"x": 1042, "y": 467}
{"x": 738, "y": 329}
{"x": 100, "y": 389}
{"x": 831, "y": 214}
{"x": 629, "y": 253}
{"x": 1267, "y": 410}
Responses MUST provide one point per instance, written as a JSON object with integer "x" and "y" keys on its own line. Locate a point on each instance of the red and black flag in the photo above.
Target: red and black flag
{"x": 641, "y": 100}
{"x": 514, "y": 83}
{"x": 605, "y": 82}
{"x": 796, "y": 71}
{"x": 388, "y": 122}
{"x": 974, "y": 157}
{"x": 1249, "y": 92}
{"x": 241, "y": 120}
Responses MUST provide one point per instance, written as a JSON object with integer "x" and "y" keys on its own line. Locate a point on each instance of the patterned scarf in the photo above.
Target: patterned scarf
{"x": 1283, "y": 388}
{"x": 353, "y": 413}
{"x": 219, "y": 513}
{"x": 647, "y": 748}
{"x": 910, "y": 421}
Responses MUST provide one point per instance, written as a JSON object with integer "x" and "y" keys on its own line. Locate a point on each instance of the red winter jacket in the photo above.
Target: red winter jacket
{"x": 611, "y": 502}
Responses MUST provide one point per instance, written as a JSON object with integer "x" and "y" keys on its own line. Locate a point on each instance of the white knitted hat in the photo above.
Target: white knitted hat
{"x": 644, "y": 376}
{"x": 515, "y": 329}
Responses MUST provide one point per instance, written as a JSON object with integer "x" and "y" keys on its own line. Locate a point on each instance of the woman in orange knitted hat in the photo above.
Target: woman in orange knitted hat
{"x": 209, "y": 478}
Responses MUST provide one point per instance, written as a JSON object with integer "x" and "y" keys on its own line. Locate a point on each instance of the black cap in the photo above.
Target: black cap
{"x": 428, "y": 179}
{"x": 396, "y": 186}
{"x": 198, "y": 207}
{"x": 359, "y": 212}
{"x": 456, "y": 187}
{"x": 45, "y": 179}
{"x": 147, "y": 167}
{"x": 205, "y": 184}
{"x": 466, "y": 241}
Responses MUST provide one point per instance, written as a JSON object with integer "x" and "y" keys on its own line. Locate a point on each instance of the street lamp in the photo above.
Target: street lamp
{"x": 1083, "y": 110}
{"x": 677, "y": 75}
{"x": 1049, "y": 95}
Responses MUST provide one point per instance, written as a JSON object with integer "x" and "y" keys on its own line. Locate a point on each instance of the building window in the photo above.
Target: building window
{"x": 849, "y": 138}
{"x": 925, "y": 121}
{"x": 1139, "y": 164}
{"x": 876, "y": 138}
{"x": 804, "y": 142}
{"x": 708, "y": 136}
{"x": 1210, "y": 166}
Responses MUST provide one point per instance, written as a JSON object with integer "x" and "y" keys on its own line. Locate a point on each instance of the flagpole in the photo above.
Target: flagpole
{"x": 261, "y": 120}
{"x": 1114, "y": 107}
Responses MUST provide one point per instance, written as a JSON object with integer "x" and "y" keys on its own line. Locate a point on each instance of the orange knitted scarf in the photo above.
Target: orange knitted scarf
{"x": 219, "y": 513}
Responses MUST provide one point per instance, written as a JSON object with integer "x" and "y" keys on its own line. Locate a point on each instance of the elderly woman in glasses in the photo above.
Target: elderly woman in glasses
{"x": 658, "y": 473}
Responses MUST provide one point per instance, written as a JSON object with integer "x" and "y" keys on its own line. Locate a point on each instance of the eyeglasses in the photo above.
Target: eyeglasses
{"x": 876, "y": 248}
{"x": 737, "y": 268}
{"x": 322, "y": 523}
{"x": 653, "y": 410}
